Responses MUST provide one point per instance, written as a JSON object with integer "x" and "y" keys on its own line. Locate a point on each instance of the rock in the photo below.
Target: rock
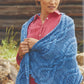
{"x": 81, "y": 68}
{"x": 80, "y": 58}
{"x": 15, "y": 65}
{"x": 8, "y": 72}
{"x": 82, "y": 72}
{"x": 4, "y": 70}
{"x": 10, "y": 82}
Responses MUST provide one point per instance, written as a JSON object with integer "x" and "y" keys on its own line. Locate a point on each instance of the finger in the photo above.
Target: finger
{"x": 22, "y": 47}
{"x": 25, "y": 49}
{"x": 25, "y": 52}
{"x": 26, "y": 39}
{"x": 26, "y": 46}
{"x": 29, "y": 39}
{"x": 24, "y": 43}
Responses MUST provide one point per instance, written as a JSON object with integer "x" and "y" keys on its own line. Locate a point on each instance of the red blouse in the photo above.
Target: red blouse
{"x": 38, "y": 30}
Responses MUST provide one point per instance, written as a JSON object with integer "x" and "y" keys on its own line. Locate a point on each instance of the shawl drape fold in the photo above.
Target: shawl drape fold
{"x": 52, "y": 60}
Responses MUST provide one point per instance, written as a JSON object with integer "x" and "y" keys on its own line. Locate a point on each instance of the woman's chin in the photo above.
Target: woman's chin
{"x": 51, "y": 11}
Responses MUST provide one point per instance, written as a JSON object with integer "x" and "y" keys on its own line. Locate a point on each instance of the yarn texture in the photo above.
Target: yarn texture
{"x": 52, "y": 60}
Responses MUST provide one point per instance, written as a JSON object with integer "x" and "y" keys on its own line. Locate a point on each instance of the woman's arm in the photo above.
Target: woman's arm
{"x": 23, "y": 49}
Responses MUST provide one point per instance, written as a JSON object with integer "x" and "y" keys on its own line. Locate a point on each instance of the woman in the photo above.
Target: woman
{"x": 48, "y": 48}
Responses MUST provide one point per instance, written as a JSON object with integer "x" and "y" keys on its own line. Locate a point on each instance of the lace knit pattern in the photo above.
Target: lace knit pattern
{"x": 52, "y": 60}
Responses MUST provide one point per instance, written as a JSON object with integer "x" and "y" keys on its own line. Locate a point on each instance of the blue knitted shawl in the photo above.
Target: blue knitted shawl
{"x": 52, "y": 60}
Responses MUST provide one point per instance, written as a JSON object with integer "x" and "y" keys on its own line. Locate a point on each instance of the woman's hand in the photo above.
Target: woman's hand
{"x": 23, "y": 48}
{"x": 31, "y": 42}
{"x": 27, "y": 44}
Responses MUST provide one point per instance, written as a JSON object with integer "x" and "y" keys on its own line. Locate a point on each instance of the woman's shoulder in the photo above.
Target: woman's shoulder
{"x": 67, "y": 17}
{"x": 25, "y": 24}
{"x": 67, "y": 22}
{"x": 30, "y": 20}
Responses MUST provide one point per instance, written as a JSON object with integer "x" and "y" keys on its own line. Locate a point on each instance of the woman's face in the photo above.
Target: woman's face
{"x": 49, "y": 6}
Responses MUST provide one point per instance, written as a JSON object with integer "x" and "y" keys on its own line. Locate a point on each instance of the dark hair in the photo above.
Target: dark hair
{"x": 37, "y": 2}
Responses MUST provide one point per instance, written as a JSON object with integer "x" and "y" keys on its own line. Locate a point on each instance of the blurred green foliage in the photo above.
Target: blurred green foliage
{"x": 80, "y": 47}
{"x": 9, "y": 48}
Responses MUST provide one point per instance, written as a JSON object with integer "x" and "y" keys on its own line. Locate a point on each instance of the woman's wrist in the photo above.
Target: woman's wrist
{"x": 19, "y": 56}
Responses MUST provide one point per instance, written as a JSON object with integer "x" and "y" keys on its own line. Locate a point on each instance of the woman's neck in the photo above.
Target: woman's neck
{"x": 43, "y": 16}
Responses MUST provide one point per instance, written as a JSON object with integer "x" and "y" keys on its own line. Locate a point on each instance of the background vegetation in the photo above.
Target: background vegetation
{"x": 9, "y": 47}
